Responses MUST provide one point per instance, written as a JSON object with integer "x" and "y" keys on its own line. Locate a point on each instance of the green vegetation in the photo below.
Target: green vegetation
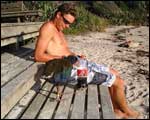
{"x": 86, "y": 21}
{"x": 123, "y": 12}
{"x": 96, "y": 15}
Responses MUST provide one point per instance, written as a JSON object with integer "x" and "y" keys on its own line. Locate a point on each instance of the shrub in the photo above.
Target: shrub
{"x": 86, "y": 21}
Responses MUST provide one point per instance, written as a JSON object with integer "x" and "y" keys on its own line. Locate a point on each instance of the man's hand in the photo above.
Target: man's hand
{"x": 82, "y": 56}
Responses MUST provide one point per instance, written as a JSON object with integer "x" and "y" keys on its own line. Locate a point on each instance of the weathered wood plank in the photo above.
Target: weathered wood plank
{"x": 20, "y": 24}
{"x": 10, "y": 62}
{"x": 14, "y": 90}
{"x": 18, "y": 109}
{"x": 93, "y": 104}
{"x": 64, "y": 106}
{"x": 9, "y": 30}
{"x": 15, "y": 70}
{"x": 12, "y": 33}
{"x": 50, "y": 105}
{"x": 37, "y": 102}
{"x": 107, "y": 109}
{"x": 16, "y": 39}
{"x": 21, "y": 13}
{"x": 78, "y": 105}
{"x": 9, "y": 57}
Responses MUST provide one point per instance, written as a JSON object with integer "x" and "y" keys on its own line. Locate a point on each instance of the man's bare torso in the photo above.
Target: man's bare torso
{"x": 58, "y": 45}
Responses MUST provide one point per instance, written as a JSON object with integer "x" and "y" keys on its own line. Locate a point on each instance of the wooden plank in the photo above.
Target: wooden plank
{"x": 18, "y": 15}
{"x": 107, "y": 108}
{"x": 21, "y": 13}
{"x": 78, "y": 105}
{"x": 17, "y": 39}
{"x": 14, "y": 90}
{"x": 25, "y": 11}
{"x": 18, "y": 109}
{"x": 13, "y": 33}
{"x": 50, "y": 105}
{"x": 4, "y": 25}
{"x": 15, "y": 68}
{"x": 9, "y": 57}
{"x": 14, "y": 71}
{"x": 9, "y": 62}
{"x": 12, "y": 30}
{"x": 7, "y": 9}
{"x": 93, "y": 104}
{"x": 36, "y": 104}
{"x": 65, "y": 103}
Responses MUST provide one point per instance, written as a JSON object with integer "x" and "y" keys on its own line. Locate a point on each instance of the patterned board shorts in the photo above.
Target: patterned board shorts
{"x": 98, "y": 74}
{"x": 103, "y": 79}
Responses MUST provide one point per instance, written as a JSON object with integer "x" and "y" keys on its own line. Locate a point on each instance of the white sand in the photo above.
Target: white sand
{"x": 102, "y": 48}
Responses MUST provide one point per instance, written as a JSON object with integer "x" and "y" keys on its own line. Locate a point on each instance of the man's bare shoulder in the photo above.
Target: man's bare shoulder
{"x": 47, "y": 27}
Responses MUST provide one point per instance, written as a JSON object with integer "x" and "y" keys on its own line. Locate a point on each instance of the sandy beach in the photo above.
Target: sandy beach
{"x": 131, "y": 59}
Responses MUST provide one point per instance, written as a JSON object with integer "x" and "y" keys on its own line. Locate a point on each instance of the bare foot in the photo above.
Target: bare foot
{"x": 133, "y": 114}
{"x": 120, "y": 114}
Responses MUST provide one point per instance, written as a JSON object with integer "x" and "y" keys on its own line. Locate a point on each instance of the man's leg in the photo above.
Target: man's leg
{"x": 119, "y": 99}
{"x": 118, "y": 112}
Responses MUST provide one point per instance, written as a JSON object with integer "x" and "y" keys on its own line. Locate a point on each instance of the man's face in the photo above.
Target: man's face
{"x": 65, "y": 21}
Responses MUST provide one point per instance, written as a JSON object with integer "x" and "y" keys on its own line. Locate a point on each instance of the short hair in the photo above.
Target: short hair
{"x": 66, "y": 8}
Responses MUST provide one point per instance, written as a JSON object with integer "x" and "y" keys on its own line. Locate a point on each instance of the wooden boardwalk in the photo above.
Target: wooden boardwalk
{"x": 92, "y": 102}
{"x": 24, "y": 95}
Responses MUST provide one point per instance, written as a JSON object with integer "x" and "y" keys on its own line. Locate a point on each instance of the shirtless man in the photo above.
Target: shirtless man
{"x": 51, "y": 44}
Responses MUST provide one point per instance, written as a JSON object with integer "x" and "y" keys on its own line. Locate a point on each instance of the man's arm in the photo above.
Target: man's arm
{"x": 45, "y": 35}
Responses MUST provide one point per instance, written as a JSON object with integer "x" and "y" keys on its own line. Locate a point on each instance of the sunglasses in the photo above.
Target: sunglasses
{"x": 66, "y": 21}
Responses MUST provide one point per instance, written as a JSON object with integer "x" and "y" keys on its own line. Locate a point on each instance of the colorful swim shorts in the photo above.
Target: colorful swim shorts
{"x": 66, "y": 72}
